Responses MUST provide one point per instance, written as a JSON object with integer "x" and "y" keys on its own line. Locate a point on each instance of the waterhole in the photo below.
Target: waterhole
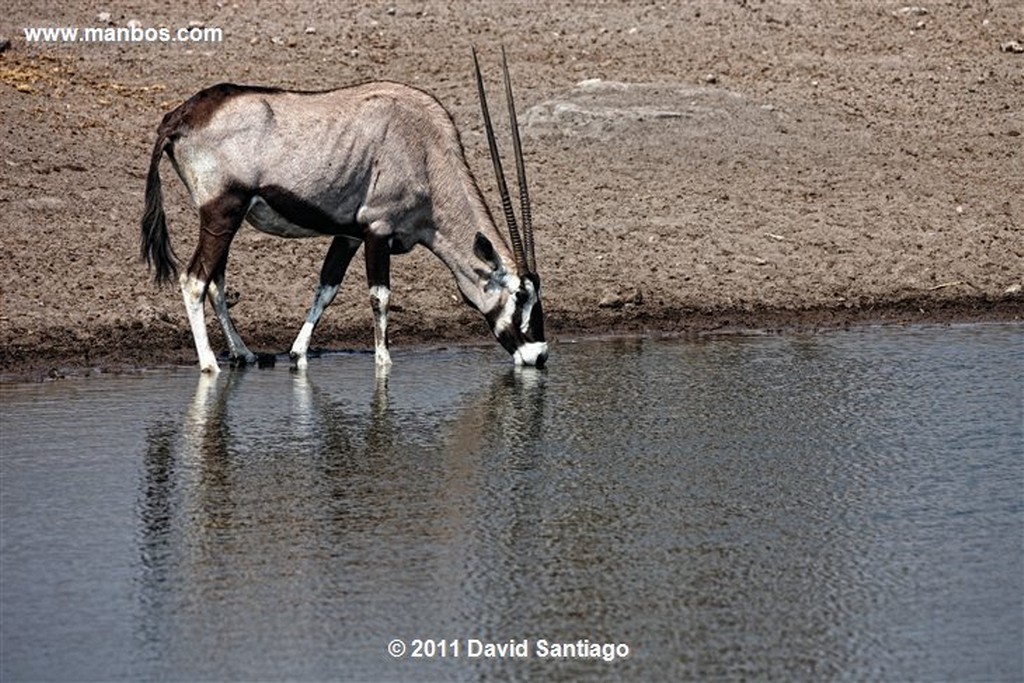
{"x": 841, "y": 505}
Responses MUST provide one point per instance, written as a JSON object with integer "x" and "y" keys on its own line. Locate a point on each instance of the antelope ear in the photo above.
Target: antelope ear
{"x": 484, "y": 251}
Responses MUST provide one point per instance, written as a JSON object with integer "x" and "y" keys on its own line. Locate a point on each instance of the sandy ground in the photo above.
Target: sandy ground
{"x": 694, "y": 166}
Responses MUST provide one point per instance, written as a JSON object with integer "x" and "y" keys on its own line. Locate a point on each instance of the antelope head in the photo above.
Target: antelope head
{"x": 518, "y": 320}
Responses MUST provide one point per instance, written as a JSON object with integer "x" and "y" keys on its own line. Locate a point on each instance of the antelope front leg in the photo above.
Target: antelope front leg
{"x": 336, "y": 262}
{"x": 300, "y": 347}
{"x": 380, "y": 297}
{"x": 378, "y": 276}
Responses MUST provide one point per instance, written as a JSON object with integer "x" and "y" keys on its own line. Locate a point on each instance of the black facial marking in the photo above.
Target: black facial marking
{"x": 536, "y": 323}
{"x": 508, "y": 341}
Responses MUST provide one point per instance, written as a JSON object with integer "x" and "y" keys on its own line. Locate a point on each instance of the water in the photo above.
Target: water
{"x": 840, "y": 506}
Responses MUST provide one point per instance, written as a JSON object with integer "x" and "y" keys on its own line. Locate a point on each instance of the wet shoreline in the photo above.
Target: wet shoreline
{"x": 57, "y": 353}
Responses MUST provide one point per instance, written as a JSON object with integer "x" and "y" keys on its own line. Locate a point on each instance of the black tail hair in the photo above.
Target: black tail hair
{"x": 155, "y": 243}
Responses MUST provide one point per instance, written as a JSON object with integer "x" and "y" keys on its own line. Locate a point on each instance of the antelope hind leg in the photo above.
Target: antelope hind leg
{"x": 193, "y": 290}
{"x": 237, "y": 350}
{"x": 219, "y": 219}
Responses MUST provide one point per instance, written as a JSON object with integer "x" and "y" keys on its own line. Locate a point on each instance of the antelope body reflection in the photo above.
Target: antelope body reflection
{"x": 257, "y": 498}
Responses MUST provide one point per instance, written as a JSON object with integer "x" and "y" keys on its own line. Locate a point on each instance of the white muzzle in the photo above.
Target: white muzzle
{"x": 530, "y": 353}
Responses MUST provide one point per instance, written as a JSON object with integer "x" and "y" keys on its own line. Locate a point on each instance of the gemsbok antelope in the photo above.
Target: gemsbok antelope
{"x": 380, "y": 165}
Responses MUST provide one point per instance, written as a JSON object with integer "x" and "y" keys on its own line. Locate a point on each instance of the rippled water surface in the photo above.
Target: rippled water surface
{"x": 840, "y": 506}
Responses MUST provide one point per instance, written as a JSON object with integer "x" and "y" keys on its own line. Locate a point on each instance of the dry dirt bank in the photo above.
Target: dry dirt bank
{"x": 694, "y": 165}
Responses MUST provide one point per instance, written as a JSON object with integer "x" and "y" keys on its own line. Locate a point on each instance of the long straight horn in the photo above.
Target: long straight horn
{"x": 506, "y": 202}
{"x": 524, "y": 195}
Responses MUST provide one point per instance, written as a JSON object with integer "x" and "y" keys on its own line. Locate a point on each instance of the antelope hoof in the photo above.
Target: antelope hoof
{"x": 299, "y": 360}
{"x": 245, "y": 360}
{"x": 210, "y": 368}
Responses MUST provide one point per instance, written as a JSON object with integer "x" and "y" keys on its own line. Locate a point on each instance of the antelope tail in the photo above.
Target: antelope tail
{"x": 155, "y": 243}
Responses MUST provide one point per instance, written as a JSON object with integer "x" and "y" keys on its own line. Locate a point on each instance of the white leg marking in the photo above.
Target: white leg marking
{"x": 193, "y": 291}
{"x": 301, "y": 345}
{"x": 380, "y": 297}
{"x": 321, "y": 300}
